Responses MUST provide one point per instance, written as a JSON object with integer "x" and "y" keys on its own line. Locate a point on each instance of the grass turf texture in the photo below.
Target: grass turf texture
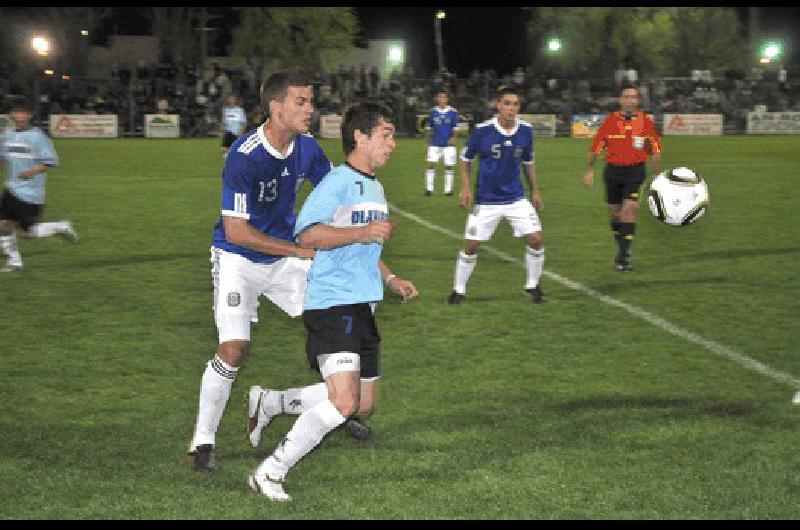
{"x": 492, "y": 409}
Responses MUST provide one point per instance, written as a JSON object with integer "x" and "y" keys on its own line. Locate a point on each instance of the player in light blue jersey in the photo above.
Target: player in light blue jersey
{"x": 253, "y": 250}
{"x": 441, "y": 129}
{"x": 503, "y": 145}
{"x": 234, "y": 122}
{"x": 345, "y": 219}
{"x": 29, "y": 153}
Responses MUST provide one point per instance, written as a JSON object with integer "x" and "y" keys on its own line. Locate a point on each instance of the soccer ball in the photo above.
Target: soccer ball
{"x": 678, "y": 197}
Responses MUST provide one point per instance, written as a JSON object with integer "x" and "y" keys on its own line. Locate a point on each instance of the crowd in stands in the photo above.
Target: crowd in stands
{"x": 198, "y": 96}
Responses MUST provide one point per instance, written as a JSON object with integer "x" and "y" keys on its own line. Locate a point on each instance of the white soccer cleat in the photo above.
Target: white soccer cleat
{"x": 69, "y": 233}
{"x": 12, "y": 267}
{"x": 271, "y": 489}
{"x": 257, "y": 419}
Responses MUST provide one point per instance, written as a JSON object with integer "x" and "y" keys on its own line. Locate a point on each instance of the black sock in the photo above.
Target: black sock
{"x": 626, "y": 234}
{"x": 615, "y": 226}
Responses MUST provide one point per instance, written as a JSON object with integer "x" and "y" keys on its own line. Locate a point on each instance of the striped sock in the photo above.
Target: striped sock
{"x": 215, "y": 390}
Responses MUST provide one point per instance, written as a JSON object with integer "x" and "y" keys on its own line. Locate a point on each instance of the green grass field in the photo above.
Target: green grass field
{"x": 493, "y": 409}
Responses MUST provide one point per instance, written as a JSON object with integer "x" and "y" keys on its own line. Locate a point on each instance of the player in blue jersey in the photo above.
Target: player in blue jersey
{"x": 503, "y": 145}
{"x": 441, "y": 128}
{"x": 234, "y": 122}
{"x": 29, "y": 152}
{"x": 345, "y": 219}
{"x": 253, "y": 250}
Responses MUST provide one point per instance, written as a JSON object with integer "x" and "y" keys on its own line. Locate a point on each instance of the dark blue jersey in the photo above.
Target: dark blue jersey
{"x": 501, "y": 154}
{"x": 260, "y": 185}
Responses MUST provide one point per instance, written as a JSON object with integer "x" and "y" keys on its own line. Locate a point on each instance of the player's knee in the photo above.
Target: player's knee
{"x": 346, "y": 405}
{"x": 234, "y": 353}
{"x": 471, "y": 248}
{"x": 535, "y": 240}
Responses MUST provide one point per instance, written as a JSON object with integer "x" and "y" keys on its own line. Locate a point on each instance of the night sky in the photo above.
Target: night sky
{"x": 473, "y": 37}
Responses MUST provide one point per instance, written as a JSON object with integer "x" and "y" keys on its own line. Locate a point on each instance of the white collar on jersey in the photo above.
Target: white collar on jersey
{"x": 444, "y": 110}
{"x": 271, "y": 150}
{"x": 502, "y": 131}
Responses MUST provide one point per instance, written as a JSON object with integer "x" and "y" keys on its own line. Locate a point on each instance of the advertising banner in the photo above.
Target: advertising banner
{"x": 773, "y": 123}
{"x": 693, "y": 124}
{"x": 83, "y": 125}
{"x": 162, "y": 126}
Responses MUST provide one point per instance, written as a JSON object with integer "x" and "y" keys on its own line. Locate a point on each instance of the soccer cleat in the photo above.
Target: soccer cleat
{"x": 257, "y": 419}
{"x": 357, "y": 429}
{"x": 69, "y": 233}
{"x": 203, "y": 458}
{"x": 455, "y": 298}
{"x": 537, "y": 296}
{"x": 449, "y": 193}
{"x": 271, "y": 489}
{"x": 12, "y": 267}
{"x": 623, "y": 265}
{"x": 428, "y": 193}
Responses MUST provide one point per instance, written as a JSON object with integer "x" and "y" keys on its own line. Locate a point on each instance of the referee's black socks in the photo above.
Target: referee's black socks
{"x": 625, "y": 240}
{"x": 615, "y": 225}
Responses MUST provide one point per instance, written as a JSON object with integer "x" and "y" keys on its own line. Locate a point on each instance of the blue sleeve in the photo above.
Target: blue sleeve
{"x": 319, "y": 166}
{"x": 237, "y": 188}
{"x": 471, "y": 147}
{"x": 320, "y": 206}
{"x": 47, "y": 153}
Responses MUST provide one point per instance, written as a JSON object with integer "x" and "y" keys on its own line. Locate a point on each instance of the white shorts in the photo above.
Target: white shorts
{"x": 483, "y": 220}
{"x": 435, "y": 154}
{"x": 238, "y": 282}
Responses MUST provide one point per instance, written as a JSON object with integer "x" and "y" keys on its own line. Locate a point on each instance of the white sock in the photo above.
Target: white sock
{"x": 534, "y": 263}
{"x": 448, "y": 181}
{"x": 295, "y": 401}
{"x": 9, "y": 246}
{"x": 41, "y": 230}
{"x": 430, "y": 174}
{"x": 307, "y": 432}
{"x": 214, "y": 393}
{"x": 464, "y": 267}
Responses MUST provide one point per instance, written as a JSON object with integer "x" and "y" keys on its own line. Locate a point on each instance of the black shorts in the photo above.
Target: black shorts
{"x": 623, "y": 182}
{"x": 347, "y": 328}
{"x": 228, "y": 138}
{"x": 23, "y": 213}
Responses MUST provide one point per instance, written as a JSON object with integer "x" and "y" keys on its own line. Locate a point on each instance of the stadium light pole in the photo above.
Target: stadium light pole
{"x": 437, "y": 26}
{"x": 42, "y": 48}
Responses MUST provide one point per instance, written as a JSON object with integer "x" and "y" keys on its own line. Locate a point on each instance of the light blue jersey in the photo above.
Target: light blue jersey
{"x": 348, "y": 274}
{"x": 234, "y": 119}
{"x": 24, "y": 150}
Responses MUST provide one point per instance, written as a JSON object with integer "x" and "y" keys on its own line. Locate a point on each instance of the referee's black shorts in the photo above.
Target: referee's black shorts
{"x": 347, "y": 328}
{"x": 23, "y": 213}
{"x": 623, "y": 182}
{"x": 227, "y": 139}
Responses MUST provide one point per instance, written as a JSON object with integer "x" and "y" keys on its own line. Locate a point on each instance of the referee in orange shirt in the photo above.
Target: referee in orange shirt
{"x": 629, "y": 137}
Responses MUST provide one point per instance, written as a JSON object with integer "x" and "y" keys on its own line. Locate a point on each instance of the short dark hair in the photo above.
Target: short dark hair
{"x": 506, "y": 90}
{"x": 363, "y": 117}
{"x": 20, "y": 104}
{"x": 628, "y": 86}
{"x": 276, "y": 85}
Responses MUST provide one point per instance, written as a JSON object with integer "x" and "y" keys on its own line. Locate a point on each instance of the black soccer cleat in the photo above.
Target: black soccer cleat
{"x": 455, "y": 298}
{"x": 428, "y": 193}
{"x": 623, "y": 265}
{"x": 357, "y": 429}
{"x": 450, "y": 194}
{"x": 203, "y": 458}
{"x": 537, "y": 296}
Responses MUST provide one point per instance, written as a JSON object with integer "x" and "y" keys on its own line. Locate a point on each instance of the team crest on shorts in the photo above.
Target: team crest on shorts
{"x": 234, "y": 299}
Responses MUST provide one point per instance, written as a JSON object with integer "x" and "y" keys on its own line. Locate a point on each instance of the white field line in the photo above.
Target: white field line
{"x": 714, "y": 347}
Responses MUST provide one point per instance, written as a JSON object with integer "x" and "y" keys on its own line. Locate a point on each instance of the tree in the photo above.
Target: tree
{"x": 174, "y": 28}
{"x": 292, "y": 37}
{"x": 655, "y": 41}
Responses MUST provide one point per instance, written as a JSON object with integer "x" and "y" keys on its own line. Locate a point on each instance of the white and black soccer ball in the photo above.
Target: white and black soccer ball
{"x": 678, "y": 197}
